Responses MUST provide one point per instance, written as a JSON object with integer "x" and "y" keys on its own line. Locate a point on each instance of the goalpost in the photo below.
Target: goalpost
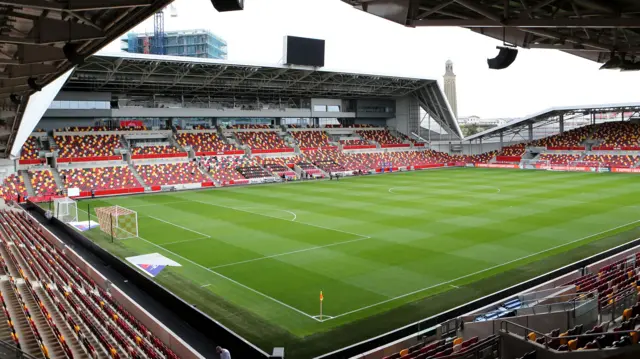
{"x": 118, "y": 222}
{"x": 65, "y": 209}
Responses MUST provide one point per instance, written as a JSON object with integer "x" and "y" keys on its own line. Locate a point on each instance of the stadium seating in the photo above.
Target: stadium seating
{"x": 355, "y": 142}
{"x": 82, "y": 129}
{"x": 87, "y": 146}
{"x": 170, "y": 174}
{"x": 558, "y": 159}
{"x": 481, "y": 158}
{"x": 204, "y": 142}
{"x": 14, "y": 186}
{"x": 444, "y": 348}
{"x": 223, "y": 169}
{"x": 251, "y": 127}
{"x": 383, "y": 137}
{"x": 258, "y": 140}
{"x": 617, "y": 135}
{"x": 99, "y": 178}
{"x": 43, "y": 182}
{"x": 156, "y": 150}
{"x": 570, "y": 140}
{"x": 311, "y": 139}
{"x": 516, "y": 150}
{"x": 622, "y": 161}
{"x": 277, "y": 165}
{"x": 30, "y": 149}
{"x": 68, "y": 312}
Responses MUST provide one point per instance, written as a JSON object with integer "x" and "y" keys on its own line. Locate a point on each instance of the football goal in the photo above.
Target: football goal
{"x": 65, "y": 209}
{"x": 118, "y": 222}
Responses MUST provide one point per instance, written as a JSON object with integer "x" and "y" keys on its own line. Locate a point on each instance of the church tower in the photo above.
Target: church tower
{"x": 450, "y": 87}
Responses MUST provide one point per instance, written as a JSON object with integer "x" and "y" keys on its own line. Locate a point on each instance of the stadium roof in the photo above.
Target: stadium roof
{"x": 552, "y": 114}
{"x": 592, "y": 29}
{"x": 33, "y": 33}
{"x": 144, "y": 74}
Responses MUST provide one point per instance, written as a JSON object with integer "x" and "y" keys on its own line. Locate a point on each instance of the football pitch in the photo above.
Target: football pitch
{"x": 385, "y": 250}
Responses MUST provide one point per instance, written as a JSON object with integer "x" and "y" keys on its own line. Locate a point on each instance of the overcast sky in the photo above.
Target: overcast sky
{"x": 356, "y": 41}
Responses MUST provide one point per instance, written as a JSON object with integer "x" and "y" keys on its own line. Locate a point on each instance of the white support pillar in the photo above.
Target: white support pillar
{"x": 501, "y": 139}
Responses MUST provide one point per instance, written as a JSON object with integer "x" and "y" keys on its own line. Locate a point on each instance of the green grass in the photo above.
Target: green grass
{"x": 385, "y": 250}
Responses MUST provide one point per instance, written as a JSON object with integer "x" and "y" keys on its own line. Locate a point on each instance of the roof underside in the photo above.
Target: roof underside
{"x": 552, "y": 115}
{"x": 591, "y": 29}
{"x": 148, "y": 75}
{"x": 33, "y": 32}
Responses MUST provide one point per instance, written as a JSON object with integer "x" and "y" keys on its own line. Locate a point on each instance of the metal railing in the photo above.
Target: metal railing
{"x": 520, "y": 330}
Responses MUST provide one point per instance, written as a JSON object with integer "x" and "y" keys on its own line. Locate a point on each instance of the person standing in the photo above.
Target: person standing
{"x": 224, "y": 353}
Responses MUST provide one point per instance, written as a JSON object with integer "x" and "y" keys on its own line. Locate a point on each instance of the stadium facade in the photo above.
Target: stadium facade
{"x": 191, "y": 43}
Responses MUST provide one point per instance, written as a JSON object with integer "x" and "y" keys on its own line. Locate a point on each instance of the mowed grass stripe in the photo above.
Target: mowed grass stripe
{"x": 444, "y": 228}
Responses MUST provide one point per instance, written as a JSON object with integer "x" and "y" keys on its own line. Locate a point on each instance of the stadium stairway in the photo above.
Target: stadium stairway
{"x": 27, "y": 182}
{"x": 137, "y": 176}
{"x": 47, "y": 335}
{"x": 26, "y": 337}
{"x": 209, "y": 177}
{"x": 174, "y": 142}
{"x": 56, "y": 177}
{"x": 53, "y": 146}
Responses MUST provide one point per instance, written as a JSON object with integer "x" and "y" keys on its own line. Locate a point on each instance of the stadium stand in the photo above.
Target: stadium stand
{"x": 277, "y": 165}
{"x": 94, "y": 147}
{"x": 250, "y": 127}
{"x": 383, "y": 137}
{"x": 30, "y": 149}
{"x": 223, "y": 169}
{"x": 263, "y": 140}
{"x": 570, "y": 140}
{"x": 14, "y": 186}
{"x": 513, "y": 150}
{"x": 155, "y": 150}
{"x": 43, "y": 182}
{"x": 99, "y": 178}
{"x": 204, "y": 142}
{"x": 311, "y": 139}
{"x": 68, "y": 314}
{"x": 559, "y": 159}
{"x": 623, "y": 161}
{"x": 480, "y": 158}
{"x": 170, "y": 174}
{"x": 355, "y": 142}
{"x": 617, "y": 135}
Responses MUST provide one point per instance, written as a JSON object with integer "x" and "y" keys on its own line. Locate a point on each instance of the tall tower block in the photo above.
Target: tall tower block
{"x": 450, "y": 87}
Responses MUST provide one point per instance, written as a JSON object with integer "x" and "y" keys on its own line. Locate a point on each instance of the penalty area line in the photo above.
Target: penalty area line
{"x": 292, "y": 252}
{"x": 179, "y": 226}
{"x": 481, "y": 271}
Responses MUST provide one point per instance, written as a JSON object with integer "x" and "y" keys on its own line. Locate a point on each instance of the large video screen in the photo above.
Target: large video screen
{"x": 304, "y": 51}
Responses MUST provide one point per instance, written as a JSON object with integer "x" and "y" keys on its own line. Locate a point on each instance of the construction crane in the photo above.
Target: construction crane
{"x": 158, "y": 29}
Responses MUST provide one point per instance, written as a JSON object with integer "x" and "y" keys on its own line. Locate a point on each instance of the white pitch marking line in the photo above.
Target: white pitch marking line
{"x": 292, "y": 252}
{"x": 205, "y": 285}
{"x": 185, "y": 241}
{"x": 157, "y": 204}
{"x": 282, "y": 219}
{"x": 231, "y": 280}
{"x": 179, "y": 226}
{"x": 391, "y": 190}
{"x": 482, "y": 271}
{"x": 454, "y": 286}
{"x": 273, "y": 209}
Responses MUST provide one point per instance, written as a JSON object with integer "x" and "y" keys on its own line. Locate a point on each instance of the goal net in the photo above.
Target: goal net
{"x": 118, "y": 222}
{"x": 65, "y": 209}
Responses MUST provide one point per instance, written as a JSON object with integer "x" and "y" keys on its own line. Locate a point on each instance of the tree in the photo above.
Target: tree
{"x": 470, "y": 130}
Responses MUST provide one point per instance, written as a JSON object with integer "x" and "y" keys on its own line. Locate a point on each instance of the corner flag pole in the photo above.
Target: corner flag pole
{"x": 321, "y": 299}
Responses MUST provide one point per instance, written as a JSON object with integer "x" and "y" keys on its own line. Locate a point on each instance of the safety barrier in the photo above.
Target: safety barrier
{"x": 88, "y": 159}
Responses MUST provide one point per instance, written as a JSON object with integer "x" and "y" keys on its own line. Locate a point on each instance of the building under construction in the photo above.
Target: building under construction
{"x": 192, "y": 43}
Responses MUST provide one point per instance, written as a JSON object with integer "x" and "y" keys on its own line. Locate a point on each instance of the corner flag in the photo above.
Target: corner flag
{"x": 321, "y": 299}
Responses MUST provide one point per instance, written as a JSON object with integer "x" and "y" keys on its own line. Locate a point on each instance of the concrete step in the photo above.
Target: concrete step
{"x": 137, "y": 175}
{"x": 27, "y": 182}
